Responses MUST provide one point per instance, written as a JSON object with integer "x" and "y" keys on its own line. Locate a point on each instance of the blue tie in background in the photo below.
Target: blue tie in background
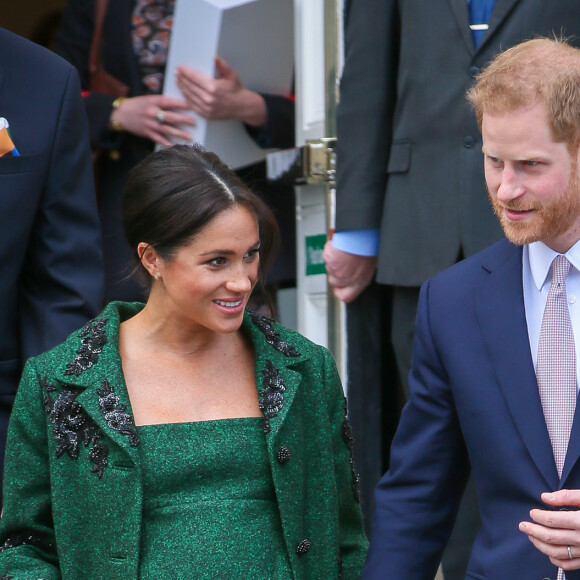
{"x": 479, "y": 13}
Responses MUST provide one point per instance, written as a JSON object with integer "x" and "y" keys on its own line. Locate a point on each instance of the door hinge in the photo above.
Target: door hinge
{"x": 319, "y": 160}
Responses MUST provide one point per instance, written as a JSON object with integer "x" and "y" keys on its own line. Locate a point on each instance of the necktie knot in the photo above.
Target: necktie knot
{"x": 560, "y": 270}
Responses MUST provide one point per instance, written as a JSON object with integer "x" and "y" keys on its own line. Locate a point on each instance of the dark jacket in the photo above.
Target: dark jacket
{"x": 74, "y": 510}
{"x": 474, "y": 402}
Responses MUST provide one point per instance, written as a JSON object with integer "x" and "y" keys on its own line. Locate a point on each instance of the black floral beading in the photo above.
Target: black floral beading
{"x": 349, "y": 440}
{"x": 266, "y": 325}
{"x": 93, "y": 339}
{"x": 71, "y": 426}
{"x": 47, "y": 388}
{"x": 271, "y": 396}
{"x": 115, "y": 414}
{"x": 28, "y": 538}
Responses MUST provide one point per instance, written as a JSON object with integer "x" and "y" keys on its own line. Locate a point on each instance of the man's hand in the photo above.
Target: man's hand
{"x": 348, "y": 274}
{"x": 223, "y": 97}
{"x": 554, "y": 531}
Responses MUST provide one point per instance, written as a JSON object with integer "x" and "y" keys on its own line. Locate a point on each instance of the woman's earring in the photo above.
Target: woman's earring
{"x": 156, "y": 276}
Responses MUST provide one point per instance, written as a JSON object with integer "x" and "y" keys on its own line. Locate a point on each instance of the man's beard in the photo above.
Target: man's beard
{"x": 548, "y": 221}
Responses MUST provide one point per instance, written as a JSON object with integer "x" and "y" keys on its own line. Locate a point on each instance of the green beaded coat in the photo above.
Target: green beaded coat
{"x": 73, "y": 488}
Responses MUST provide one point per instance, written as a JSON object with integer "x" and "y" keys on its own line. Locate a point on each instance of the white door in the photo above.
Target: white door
{"x": 318, "y": 56}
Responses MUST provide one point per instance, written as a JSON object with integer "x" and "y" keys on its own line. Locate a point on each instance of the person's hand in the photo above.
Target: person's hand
{"x": 348, "y": 274}
{"x": 556, "y": 533}
{"x": 155, "y": 117}
{"x": 223, "y": 97}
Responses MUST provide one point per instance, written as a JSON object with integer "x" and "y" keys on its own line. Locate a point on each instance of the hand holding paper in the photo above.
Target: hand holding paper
{"x": 255, "y": 43}
{"x": 223, "y": 97}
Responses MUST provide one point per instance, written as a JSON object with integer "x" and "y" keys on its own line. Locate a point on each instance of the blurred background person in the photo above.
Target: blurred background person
{"x": 50, "y": 250}
{"x": 131, "y": 49}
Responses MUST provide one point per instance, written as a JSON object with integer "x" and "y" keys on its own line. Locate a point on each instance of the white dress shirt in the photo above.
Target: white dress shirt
{"x": 537, "y": 277}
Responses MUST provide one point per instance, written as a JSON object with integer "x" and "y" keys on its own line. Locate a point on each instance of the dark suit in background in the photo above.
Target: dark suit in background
{"x": 50, "y": 247}
{"x": 409, "y": 150}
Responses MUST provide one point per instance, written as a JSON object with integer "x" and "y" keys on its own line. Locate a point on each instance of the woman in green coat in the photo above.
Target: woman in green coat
{"x": 187, "y": 437}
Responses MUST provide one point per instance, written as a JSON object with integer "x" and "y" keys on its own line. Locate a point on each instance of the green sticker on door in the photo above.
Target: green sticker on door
{"x": 314, "y": 248}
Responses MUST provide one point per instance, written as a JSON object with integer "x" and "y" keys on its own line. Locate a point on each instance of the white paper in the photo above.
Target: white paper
{"x": 256, "y": 38}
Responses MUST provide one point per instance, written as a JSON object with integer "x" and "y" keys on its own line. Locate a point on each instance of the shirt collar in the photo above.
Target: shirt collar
{"x": 541, "y": 257}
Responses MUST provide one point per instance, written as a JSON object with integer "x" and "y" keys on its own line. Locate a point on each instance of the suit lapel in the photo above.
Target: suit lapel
{"x": 573, "y": 446}
{"x": 461, "y": 13}
{"x": 99, "y": 387}
{"x": 502, "y": 319}
{"x": 291, "y": 381}
{"x": 106, "y": 402}
{"x": 500, "y": 12}
{"x": 277, "y": 379}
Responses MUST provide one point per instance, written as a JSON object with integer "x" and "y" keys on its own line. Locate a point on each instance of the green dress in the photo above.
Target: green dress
{"x": 210, "y": 508}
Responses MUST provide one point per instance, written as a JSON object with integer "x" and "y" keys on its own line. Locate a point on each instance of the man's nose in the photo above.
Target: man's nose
{"x": 511, "y": 186}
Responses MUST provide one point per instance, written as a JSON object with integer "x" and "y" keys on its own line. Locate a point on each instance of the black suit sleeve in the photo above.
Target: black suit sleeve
{"x": 279, "y": 128}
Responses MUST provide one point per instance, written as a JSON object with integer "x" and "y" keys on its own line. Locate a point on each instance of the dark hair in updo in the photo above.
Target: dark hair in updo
{"x": 174, "y": 192}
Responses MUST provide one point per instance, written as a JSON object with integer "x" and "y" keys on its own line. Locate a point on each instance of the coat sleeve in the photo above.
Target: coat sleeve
{"x": 365, "y": 112}
{"x": 62, "y": 280}
{"x": 279, "y": 128}
{"x": 417, "y": 500}
{"x": 27, "y": 540}
{"x": 352, "y": 540}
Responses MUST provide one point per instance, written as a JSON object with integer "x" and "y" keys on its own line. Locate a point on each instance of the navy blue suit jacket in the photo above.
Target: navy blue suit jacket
{"x": 474, "y": 398}
{"x": 51, "y": 278}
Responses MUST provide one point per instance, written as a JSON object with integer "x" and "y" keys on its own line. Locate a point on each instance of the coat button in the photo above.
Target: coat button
{"x": 303, "y": 547}
{"x": 284, "y": 455}
{"x": 468, "y": 142}
{"x": 474, "y": 71}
